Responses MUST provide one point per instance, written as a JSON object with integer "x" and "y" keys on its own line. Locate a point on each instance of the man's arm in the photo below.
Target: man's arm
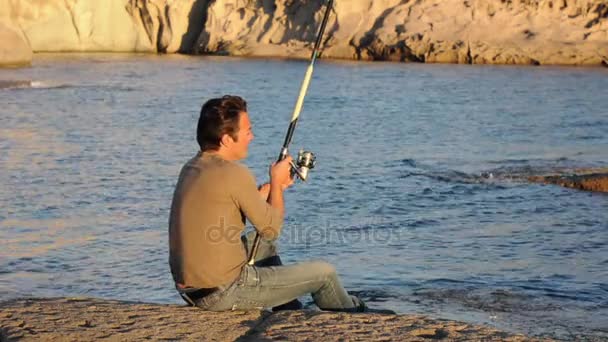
{"x": 266, "y": 216}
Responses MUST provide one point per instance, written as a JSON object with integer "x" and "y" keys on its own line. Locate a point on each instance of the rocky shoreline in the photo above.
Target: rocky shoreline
{"x": 529, "y": 32}
{"x": 88, "y": 319}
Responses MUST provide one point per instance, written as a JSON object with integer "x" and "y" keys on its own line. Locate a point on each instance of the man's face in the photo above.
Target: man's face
{"x": 240, "y": 147}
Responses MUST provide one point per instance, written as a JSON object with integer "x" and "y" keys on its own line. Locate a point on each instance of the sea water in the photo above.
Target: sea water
{"x": 419, "y": 196}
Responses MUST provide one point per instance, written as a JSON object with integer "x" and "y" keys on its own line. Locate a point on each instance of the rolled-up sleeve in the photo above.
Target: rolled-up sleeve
{"x": 266, "y": 219}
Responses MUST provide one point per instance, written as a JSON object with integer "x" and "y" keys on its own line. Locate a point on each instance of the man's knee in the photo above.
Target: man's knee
{"x": 323, "y": 268}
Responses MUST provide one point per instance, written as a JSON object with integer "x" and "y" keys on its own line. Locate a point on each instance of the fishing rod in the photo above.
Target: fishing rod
{"x": 306, "y": 159}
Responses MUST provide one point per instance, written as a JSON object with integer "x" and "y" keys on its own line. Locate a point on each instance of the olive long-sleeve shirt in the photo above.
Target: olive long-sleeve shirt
{"x": 212, "y": 199}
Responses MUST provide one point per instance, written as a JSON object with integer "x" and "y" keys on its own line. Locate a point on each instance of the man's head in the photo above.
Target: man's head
{"x": 224, "y": 127}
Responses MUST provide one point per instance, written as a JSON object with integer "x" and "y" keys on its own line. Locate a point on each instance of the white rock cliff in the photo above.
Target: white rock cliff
{"x": 442, "y": 31}
{"x": 103, "y": 26}
{"x": 573, "y": 32}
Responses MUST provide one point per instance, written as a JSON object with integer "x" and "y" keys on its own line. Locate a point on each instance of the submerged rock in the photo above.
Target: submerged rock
{"x": 15, "y": 84}
{"x": 78, "y": 319}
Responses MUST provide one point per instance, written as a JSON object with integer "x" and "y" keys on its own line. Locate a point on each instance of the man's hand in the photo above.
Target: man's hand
{"x": 280, "y": 174}
{"x": 280, "y": 179}
{"x": 264, "y": 189}
{"x": 288, "y": 184}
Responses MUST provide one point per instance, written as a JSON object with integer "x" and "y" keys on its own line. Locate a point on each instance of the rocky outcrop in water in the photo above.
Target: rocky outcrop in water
{"x": 589, "y": 180}
{"x": 73, "y": 319}
{"x": 571, "y": 32}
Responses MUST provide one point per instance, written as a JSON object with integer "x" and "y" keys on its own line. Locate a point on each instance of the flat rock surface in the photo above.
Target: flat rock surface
{"x": 325, "y": 326}
{"x": 86, "y": 319}
{"x": 74, "y": 319}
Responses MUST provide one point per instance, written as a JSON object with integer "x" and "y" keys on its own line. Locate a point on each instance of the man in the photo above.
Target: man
{"x": 213, "y": 197}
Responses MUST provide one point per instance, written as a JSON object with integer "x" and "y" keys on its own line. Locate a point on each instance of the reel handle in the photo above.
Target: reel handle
{"x": 295, "y": 171}
{"x": 306, "y": 161}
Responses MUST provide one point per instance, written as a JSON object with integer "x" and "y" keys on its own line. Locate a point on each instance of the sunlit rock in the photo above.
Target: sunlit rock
{"x": 108, "y": 26}
{"x": 433, "y": 31}
{"x": 14, "y": 50}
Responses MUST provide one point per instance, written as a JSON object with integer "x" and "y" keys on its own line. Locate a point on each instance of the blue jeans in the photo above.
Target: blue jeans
{"x": 259, "y": 287}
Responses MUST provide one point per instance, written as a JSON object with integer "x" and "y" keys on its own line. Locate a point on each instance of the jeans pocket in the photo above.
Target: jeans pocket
{"x": 249, "y": 277}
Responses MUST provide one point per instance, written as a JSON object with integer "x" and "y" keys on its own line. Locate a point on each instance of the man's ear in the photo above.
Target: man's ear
{"x": 226, "y": 140}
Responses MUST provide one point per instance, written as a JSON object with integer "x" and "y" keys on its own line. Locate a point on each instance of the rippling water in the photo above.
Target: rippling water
{"x": 416, "y": 197}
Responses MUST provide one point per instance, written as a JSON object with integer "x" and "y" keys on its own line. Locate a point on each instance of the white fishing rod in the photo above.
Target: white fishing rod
{"x": 306, "y": 159}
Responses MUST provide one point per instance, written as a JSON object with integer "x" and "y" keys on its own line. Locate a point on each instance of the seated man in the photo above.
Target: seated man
{"x": 213, "y": 197}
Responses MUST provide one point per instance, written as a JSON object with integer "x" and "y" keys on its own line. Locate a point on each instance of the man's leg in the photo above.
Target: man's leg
{"x": 267, "y": 256}
{"x": 274, "y": 285}
{"x": 268, "y": 286}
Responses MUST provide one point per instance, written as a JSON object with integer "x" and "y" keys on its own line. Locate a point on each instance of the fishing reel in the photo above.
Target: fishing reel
{"x": 304, "y": 163}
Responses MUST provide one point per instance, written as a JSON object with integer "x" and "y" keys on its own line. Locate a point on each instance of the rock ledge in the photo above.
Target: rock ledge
{"x": 87, "y": 319}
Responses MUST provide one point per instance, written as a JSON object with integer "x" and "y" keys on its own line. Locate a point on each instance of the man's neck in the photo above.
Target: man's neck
{"x": 221, "y": 154}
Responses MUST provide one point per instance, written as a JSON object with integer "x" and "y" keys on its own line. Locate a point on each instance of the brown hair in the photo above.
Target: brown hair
{"x": 219, "y": 116}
